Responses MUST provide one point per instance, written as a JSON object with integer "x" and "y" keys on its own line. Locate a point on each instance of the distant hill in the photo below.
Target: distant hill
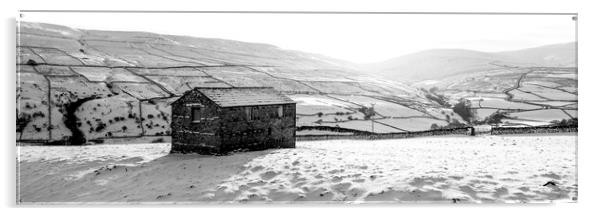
{"x": 556, "y": 55}
{"x": 441, "y": 63}
{"x": 535, "y": 86}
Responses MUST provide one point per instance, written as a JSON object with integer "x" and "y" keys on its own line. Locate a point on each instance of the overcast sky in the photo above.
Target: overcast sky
{"x": 358, "y": 38}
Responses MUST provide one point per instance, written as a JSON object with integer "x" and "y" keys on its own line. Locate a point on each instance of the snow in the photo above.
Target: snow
{"x": 102, "y": 74}
{"x": 413, "y": 124}
{"x": 363, "y": 125}
{"x": 43, "y": 28}
{"x": 317, "y": 101}
{"x": 32, "y": 100}
{"x": 541, "y": 115}
{"x": 435, "y": 169}
{"x": 502, "y": 104}
{"x": 563, "y": 75}
{"x": 552, "y": 94}
{"x": 524, "y": 122}
{"x": 107, "y": 112}
{"x": 427, "y": 82}
{"x": 382, "y": 107}
{"x": 481, "y": 114}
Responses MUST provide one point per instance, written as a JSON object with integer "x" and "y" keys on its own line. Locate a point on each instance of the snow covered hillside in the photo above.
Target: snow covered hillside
{"x": 441, "y": 169}
{"x": 116, "y": 84}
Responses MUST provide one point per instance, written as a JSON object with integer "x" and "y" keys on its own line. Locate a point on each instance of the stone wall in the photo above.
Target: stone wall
{"x": 466, "y": 131}
{"x": 533, "y": 130}
{"x": 201, "y": 137}
{"x": 266, "y": 129}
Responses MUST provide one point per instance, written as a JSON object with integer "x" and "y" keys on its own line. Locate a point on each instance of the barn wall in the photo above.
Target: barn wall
{"x": 202, "y": 137}
{"x": 239, "y": 132}
{"x": 290, "y": 111}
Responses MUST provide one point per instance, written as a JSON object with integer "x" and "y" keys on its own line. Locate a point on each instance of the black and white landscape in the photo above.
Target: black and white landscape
{"x": 94, "y": 115}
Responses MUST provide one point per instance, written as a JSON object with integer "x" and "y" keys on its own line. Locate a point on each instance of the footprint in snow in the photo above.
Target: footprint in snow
{"x": 337, "y": 179}
{"x": 336, "y": 171}
{"x": 256, "y": 183}
{"x": 359, "y": 180}
{"x": 257, "y": 168}
{"x": 269, "y": 175}
{"x": 163, "y": 196}
{"x": 341, "y": 187}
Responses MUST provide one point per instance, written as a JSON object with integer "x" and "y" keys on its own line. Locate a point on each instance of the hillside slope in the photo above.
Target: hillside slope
{"x": 529, "y": 87}
{"x": 114, "y": 84}
{"x": 555, "y": 55}
{"x": 441, "y": 63}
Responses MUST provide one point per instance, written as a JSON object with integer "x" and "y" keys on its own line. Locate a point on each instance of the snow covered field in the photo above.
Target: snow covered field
{"x": 434, "y": 169}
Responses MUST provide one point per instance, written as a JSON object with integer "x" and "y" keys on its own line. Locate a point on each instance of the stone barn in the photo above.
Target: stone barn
{"x": 220, "y": 120}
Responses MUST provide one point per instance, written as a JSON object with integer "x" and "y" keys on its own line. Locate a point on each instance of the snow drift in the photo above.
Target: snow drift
{"x": 483, "y": 169}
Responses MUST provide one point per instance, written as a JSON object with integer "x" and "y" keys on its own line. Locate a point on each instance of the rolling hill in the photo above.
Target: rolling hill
{"x": 98, "y": 85}
{"x": 529, "y": 87}
{"x": 441, "y": 63}
{"x": 555, "y": 55}
{"x": 77, "y": 84}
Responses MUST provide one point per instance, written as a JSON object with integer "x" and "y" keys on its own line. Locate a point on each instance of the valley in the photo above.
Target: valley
{"x": 521, "y": 96}
{"x": 133, "y": 77}
{"x": 124, "y": 82}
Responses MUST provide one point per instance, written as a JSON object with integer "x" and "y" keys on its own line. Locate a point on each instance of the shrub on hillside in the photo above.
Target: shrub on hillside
{"x": 434, "y": 126}
{"x": 566, "y": 122}
{"x": 454, "y": 124}
{"x": 495, "y": 118}
{"x": 462, "y": 108}
{"x": 368, "y": 112}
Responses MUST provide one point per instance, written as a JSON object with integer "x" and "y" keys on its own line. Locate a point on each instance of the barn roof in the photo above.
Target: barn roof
{"x": 244, "y": 96}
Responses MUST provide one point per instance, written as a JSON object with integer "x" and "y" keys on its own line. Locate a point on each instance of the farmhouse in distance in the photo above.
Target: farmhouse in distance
{"x": 220, "y": 120}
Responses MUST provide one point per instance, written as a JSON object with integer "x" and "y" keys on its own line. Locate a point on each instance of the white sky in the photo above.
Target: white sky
{"x": 358, "y": 38}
